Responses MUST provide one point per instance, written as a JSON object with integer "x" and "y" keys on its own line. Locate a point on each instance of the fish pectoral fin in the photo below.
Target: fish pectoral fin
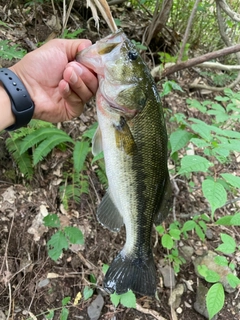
{"x": 124, "y": 138}
{"x": 97, "y": 142}
{"x": 108, "y": 214}
{"x": 165, "y": 203}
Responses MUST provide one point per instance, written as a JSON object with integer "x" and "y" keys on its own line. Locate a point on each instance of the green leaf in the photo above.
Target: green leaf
{"x": 47, "y": 145}
{"x": 200, "y": 143}
{"x": 65, "y": 301}
{"x": 91, "y": 131}
{"x": 231, "y": 179}
{"x": 178, "y": 139}
{"x": 212, "y": 276}
{"x": 74, "y": 235}
{"x": 194, "y": 164}
{"x": 39, "y": 135}
{"x": 193, "y": 103}
{"x": 188, "y": 225}
{"x": 221, "y": 261}
{"x": 128, "y": 299}
{"x": 160, "y": 229}
{"x": 199, "y": 232}
{"x": 105, "y": 268}
{"x": 175, "y": 234}
{"x": 167, "y": 241}
{"x": 233, "y": 280}
{"x": 64, "y": 314}
{"x": 80, "y": 152}
{"x": 56, "y": 244}
{"x": 50, "y": 315}
{"x": 215, "y": 299}
{"x": 229, "y": 220}
{"x": 52, "y": 220}
{"x": 11, "y": 52}
{"x": 229, "y": 244}
{"x": 115, "y": 298}
{"x": 215, "y": 193}
{"x": 203, "y": 130}
{"x": 87, "y": 293}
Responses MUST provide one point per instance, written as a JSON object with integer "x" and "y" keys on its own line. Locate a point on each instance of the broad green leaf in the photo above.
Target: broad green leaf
{"x": 50, "y": 315}
{"x": 74, "y": 235}
{"x": 212, "y": 276}
{"x": 178, "y": 139}
{"x": 221, "y": 261}
{"x": 200, "y": 143}
{"x": 65, "y": 301}
{"x": 115, "y": 299}
{"x": 11, "y": 52}
{"x": 90, "y": 131}
{"x": 105, "y": 268}
{"x": 175, "y": 234}
{"x": 87, "y": 293}
{"x": 233, "y": 280}
{"x": 64, "y": 314}
{"x": 229, "y": 220}
{"x": 235, "y": 221}
{"x": 229, "y": 244}
{"x": 56, "y": 244}
{"x": 52, "y": 220}
{"x": 199, "y": 232}
{"x": 194, "y": 164}
{"x": 128, "y": 299}
{"x": 231, "y": 179}
{"x": 215, "y": 193}
{"x": 215, "y": 299}
{"x": 80, "y": 152}
{"x": 188, "y": 226}
{"x": 196, "y": 104}
{"x": 160, "y": 229}
{"x": 167, "y": 241}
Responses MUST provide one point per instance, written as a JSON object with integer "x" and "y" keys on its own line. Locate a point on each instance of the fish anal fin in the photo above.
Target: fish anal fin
{"x": 108, "y": 215}
{"x": 127, "y": 273}
{"x": 97, "y": 142}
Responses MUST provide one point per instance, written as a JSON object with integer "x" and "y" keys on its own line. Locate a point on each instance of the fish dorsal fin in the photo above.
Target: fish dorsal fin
{"x": 108, "y": 215}
{"x": 165, "y": 203}
{"x": 97, "y": 142}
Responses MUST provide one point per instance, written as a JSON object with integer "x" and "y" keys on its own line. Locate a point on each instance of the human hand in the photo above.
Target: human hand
{"x": 58, "y": 85}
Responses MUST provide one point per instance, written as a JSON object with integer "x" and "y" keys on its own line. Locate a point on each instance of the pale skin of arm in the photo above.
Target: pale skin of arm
{"x": 58, "y": 85}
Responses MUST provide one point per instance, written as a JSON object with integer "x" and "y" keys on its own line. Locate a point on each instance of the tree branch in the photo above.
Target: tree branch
{"x": 187, "y": 31}
{"x": 194, "y": 61}
{"x": 232, "y": 14}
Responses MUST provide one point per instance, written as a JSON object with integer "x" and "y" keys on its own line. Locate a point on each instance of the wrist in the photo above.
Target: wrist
{"x": 7, "y": 118}
{"x": 21, "y": 104}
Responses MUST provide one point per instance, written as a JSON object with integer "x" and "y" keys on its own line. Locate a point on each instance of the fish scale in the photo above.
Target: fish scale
{"x": 133, "y": 137}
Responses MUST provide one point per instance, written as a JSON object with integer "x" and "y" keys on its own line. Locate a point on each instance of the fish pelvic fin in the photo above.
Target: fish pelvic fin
{"x": 108, "y": 214}
{"x": 97, "y": 142}
{"x": 127, "y": 273}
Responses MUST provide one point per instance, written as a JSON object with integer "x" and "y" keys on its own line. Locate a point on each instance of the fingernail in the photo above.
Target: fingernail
{"x": 78, "y": 69}
{"x": 73, "y": 78}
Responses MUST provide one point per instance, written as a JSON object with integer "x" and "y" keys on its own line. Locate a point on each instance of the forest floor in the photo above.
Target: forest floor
{"x": 30, "y": 282}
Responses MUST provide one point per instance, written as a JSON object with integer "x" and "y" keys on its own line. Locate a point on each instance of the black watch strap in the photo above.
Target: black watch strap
{"x": 21, "y": 102}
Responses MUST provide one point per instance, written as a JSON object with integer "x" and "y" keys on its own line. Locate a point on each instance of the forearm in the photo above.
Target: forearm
{"x": 6, "y": 115}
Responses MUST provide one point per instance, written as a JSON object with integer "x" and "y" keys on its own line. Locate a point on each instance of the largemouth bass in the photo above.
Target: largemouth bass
{"x": 132, "y": 135}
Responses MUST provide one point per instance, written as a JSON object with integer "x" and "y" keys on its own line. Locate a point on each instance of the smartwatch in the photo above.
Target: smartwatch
{"x": 21, "y": 102}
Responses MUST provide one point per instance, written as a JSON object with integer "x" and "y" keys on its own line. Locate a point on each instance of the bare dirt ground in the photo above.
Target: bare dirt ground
{"x": 29, "y": 279}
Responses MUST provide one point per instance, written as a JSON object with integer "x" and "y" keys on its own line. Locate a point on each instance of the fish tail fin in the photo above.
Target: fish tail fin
{"x": 128, "y": 273}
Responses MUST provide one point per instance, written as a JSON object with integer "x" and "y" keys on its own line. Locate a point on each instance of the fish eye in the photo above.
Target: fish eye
{"x": 132, "y": 55}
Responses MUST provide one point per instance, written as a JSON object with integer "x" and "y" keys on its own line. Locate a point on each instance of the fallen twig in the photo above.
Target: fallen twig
{"x": 153, "y": 313}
